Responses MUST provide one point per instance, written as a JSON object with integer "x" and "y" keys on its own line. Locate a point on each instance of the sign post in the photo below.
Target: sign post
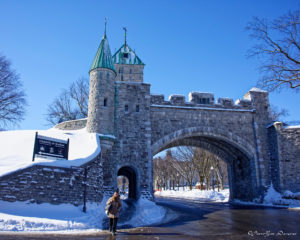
{"x": 50, "y": 147}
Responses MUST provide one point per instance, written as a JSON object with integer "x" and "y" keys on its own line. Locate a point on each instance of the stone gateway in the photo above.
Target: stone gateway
{"x": 133, "y": 125}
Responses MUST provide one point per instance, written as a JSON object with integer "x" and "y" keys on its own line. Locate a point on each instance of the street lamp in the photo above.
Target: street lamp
{"x": 212, "y": 177}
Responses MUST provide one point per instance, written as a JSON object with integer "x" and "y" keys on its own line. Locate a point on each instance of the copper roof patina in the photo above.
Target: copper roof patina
{"x": 125, "y": 55}
{"x": 103, "y": 58}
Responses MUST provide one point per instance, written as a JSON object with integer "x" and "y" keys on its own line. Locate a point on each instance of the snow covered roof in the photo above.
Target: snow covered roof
{"x": 125, "y": 55}
{"x": 17, "y": 149}
{"x": 255, "y": 89}
{"x": 103, "y": 58}
{"x": 297, "y": 126}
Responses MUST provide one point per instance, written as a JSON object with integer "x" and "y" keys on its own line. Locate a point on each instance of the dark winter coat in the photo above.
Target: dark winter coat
{"x": 115, "y": 209}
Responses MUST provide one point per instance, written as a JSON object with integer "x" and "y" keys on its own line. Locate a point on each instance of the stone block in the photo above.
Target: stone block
{"x": 244, "y": 103}
{"x": 177, "y": 99}
{"x": 226, "y": 102}
{"x": 201, "y": 98}
{"x": 157, "y": 99}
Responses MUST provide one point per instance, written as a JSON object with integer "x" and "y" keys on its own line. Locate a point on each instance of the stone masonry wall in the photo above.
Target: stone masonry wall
{"x": 72, "y": 125}
{"x": 273, "y": 157}
{"x": 129, "y": 72}
{"x": 168, "y": 117}
{"x": 54, "y": 185}
{"x": 289, "y": 158}
{"x": 133, "y": 137}
{"x": 101, "y": 101}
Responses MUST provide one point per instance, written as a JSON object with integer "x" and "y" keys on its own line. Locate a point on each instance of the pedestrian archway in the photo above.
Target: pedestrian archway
{"x": 130, "y": 174}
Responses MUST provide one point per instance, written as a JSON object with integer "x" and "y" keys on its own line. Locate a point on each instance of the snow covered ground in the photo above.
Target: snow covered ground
{"x": 196, "y": 194}
{"x": 17, "y": 148}
{"x": 21, "y": 216}
{"x": 272, "y": 197}
{"x": 66, "y": 218}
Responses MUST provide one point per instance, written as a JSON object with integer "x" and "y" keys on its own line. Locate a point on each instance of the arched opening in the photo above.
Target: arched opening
{"x": 241, "y": 167}
{"x": 192, "y": 172}
{"x": 128, "y": 173}
{"x": 123, "y": 186}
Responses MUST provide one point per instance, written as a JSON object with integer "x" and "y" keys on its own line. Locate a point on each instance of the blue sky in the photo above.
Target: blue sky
{"x": 190, "y": 45}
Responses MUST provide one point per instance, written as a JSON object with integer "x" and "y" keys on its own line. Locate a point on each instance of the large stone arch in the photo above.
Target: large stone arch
{"x": 239, "y": 156}
{"x": 216, "y": 133}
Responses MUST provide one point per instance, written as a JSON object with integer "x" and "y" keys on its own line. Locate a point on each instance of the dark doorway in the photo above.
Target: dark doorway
{"x": 130, "y": 174}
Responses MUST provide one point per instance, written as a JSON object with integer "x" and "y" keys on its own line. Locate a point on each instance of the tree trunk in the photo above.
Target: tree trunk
{"x": 207, "y": 183}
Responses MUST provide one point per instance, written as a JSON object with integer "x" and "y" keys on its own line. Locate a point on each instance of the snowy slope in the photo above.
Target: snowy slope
{"x": 17, "y": 149}
{"x": 45, "y": 217}
{"x": 66, "y": 218}
{"x": 196, "y": 194}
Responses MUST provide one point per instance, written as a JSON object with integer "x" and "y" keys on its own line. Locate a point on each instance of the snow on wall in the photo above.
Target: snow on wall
{"x": 17, "y": 149}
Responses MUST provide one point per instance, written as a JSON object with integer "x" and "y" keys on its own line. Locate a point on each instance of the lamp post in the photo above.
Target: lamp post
{"x": 178, "y": 180}
{"x": 212, "y": 177}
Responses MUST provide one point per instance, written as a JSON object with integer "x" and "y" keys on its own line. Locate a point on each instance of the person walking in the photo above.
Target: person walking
{"x": 113, "y": 208}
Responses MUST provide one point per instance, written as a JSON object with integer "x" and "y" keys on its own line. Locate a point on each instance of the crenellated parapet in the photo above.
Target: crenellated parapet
{"x": 202, "y": 100}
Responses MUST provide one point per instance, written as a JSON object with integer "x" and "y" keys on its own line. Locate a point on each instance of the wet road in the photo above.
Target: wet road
{"x": 194, "y": 220}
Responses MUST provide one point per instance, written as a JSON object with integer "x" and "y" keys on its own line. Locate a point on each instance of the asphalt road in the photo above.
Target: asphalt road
{"x": 189, "y": 219}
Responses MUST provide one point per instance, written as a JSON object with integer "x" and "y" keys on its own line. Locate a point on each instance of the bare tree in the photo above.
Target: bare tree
{"x": 174, "y": 176}
{"x": 12, "y": 95}
{"x": 208, "y": 167}
{"x": 277, "y": 114}
{"x": 71, "y": 104}
{"x": 79, "y": 92}
{"x": 279, "y": 49}
{"x": 203, "y": 165}
{"x": 184, "y": 163}
{"x": 161, "y": 170}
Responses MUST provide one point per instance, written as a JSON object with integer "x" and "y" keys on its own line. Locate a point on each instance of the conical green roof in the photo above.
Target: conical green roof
{"x": 125, "y": 55}
{"x": 103, "y": 58}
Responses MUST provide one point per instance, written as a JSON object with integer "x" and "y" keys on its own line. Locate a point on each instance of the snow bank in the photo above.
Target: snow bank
{"x": 196, "y": 194}
{"x": 147, "y": 213}
{"x": 26, "y": 217}
{"x": 17, "y": 149}
{"x": 273, "y": 198}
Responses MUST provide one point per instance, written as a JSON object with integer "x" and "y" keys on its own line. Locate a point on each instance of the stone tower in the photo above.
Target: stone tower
{"x": 101, "y": 96}
{"x": 129, "y": 66}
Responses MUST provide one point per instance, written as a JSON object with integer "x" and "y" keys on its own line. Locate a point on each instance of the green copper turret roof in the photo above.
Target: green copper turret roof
{"x": 125, "y": 55}
{"x": 103, "y": 58}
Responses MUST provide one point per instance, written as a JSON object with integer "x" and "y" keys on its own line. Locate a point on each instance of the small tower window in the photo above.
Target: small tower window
{"x": 122, "y": 79}
{"x": 130, "y": 71}
{"x": 126, "y": 108}
{"x": 107, "y": 75}
{"x": 105, "y": 102}
{"x": 137, "y": 108}
{"x": 125, "y": 55}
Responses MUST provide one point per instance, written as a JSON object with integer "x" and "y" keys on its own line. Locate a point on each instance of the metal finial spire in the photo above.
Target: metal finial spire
{"x": 125, "y": 29}
{"x": 105, "y": 27}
